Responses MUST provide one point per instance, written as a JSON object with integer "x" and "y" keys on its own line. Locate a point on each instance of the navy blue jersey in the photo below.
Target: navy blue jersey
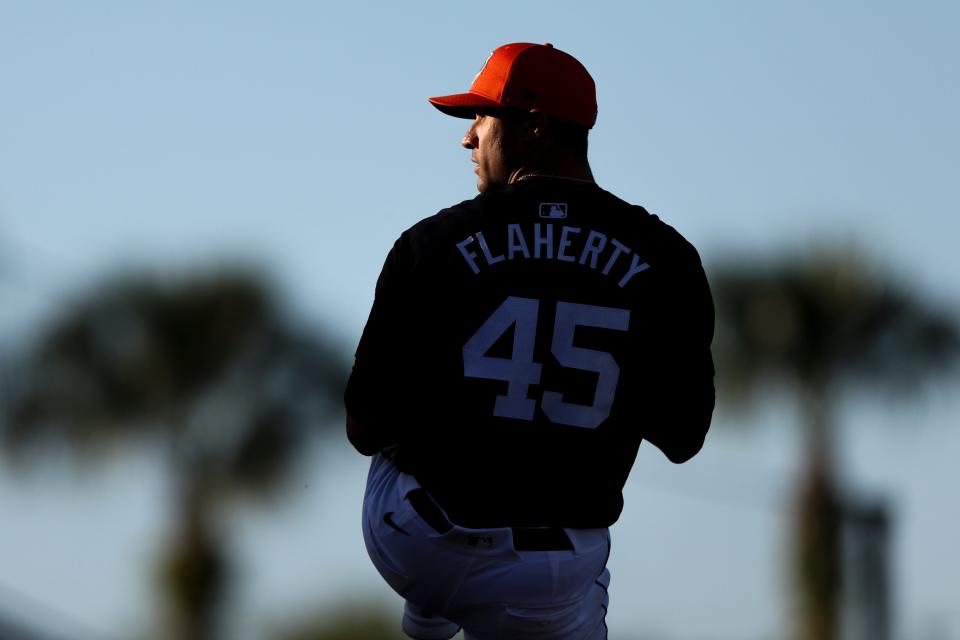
{"x": 522, "y": 344}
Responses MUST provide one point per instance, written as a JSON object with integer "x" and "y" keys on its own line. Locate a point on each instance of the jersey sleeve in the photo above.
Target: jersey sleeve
{"x": 376, "y": 388}
{"x": 680, "y": 371}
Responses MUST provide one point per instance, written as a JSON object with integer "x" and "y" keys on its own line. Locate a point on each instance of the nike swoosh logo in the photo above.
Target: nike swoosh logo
{"x": 388, "y": 518}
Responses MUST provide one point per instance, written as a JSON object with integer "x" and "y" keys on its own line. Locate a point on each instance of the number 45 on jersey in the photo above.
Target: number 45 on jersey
{"x": 520, "y": 371}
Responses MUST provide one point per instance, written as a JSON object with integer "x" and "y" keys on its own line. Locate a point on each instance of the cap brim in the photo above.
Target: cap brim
{"x": 463, "y": 105}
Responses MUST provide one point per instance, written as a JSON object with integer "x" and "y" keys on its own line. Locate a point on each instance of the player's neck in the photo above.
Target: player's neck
{"x": 551, "y": 161}
{"x": 557, "y": 168}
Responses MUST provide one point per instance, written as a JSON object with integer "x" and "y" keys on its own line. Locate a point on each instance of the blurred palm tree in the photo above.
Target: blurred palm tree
{"x": 822, "y": 326}
{"x": 358, "y": 621}
{"x": 207, "y": 369}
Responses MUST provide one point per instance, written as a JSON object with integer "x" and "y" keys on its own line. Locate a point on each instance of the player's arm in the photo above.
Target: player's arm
{"x": 681, "y": 395}
{"x": 375, "y": 393}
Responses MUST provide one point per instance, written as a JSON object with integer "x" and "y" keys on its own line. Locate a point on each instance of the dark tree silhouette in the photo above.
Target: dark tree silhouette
{"x": 356, "y": 621}
{"x": 823, "y": 325}
{"x": 205, "y": 367}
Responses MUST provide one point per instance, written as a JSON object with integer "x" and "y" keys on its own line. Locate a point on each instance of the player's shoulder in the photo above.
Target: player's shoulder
{"x": 424, "y": 238}
{"x": 446, "y": 220}
{"x": 661, "y": 239}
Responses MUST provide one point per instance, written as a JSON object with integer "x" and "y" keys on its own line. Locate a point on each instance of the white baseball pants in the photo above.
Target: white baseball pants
{"x": 475, "y": 579}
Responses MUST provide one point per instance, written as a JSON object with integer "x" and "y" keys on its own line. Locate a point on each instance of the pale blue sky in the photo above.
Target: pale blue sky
{"x": 166, "y": 135}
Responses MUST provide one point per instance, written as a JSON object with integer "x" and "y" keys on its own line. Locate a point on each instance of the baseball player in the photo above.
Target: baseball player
{"x": 520, "y": 347}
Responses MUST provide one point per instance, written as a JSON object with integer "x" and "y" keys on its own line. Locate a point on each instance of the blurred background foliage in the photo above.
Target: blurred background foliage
{"x": 359, "y": 621}
{"x": 207, "y": 369}
{"x": 826, "y": 324}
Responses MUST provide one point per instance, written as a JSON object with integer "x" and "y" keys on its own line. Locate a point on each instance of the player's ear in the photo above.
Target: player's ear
{"x": 536, "y": 125}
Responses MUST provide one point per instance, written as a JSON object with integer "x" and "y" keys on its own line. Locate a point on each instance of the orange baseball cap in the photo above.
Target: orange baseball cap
{"x": 528, "y": 76}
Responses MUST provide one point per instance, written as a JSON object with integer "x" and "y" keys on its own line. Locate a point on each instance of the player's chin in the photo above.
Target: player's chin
{"x": 484, "y": 183}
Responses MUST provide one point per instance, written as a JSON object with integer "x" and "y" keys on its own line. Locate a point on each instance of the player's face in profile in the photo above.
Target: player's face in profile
{"x": 490, "y": 140}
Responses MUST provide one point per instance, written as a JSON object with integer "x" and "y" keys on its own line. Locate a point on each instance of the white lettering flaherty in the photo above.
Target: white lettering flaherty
{"x": 586, "y": 247}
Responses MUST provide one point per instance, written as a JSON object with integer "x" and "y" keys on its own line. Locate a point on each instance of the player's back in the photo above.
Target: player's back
{"x": 547, "y": 331}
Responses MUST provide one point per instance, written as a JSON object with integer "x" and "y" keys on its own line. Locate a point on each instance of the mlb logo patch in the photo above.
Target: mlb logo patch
{"x": 553, "y": 210}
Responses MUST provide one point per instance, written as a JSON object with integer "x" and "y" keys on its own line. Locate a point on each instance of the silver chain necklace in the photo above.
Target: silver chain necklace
{"x": 527, "y": 176}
